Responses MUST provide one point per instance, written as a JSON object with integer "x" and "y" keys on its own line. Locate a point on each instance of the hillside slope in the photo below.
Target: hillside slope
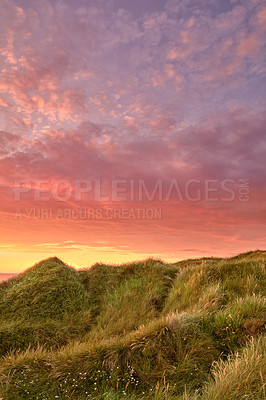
{"x": 146, "y": 330}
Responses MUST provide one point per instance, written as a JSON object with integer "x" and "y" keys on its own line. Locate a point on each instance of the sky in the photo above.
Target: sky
{"x": 131, "y": 129}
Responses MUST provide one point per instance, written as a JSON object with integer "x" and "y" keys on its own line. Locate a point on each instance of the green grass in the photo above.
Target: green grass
{"x": 144, "y": 330}
{"x": 241, "y": 376}
{"x": 48, "y": 290}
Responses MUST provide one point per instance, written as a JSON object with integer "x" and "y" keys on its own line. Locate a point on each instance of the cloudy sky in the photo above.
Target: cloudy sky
{"x": 131, "y": 129}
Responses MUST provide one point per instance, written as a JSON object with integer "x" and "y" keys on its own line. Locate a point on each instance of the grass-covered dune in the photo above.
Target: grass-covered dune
{"x": 146, "y": 330}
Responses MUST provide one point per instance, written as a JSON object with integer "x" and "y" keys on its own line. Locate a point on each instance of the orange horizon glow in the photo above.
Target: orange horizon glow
{"x": 19, "y": 262}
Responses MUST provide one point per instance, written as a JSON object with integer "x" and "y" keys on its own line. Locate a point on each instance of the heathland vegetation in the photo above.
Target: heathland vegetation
{"x": 191, "y": 330}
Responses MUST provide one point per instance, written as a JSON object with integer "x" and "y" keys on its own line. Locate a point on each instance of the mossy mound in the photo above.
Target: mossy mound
{"x": 49, "y": 290}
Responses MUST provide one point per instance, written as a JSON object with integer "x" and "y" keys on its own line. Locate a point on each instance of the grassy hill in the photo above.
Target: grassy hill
{"x": 146, "y": 330}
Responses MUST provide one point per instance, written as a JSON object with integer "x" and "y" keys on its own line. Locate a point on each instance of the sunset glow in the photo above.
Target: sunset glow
{"x": 131, "y": 129}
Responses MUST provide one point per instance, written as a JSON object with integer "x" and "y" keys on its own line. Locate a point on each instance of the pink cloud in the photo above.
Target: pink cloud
{"x": 3, "y": 102}
{"x": 231, "y": 149}
{"x": 249, "y": 45}
{"x": 262, "y": 17}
